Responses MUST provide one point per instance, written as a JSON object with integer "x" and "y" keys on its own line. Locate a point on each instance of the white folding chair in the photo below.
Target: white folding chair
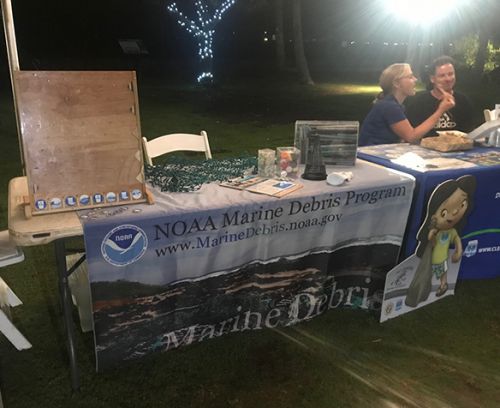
{"x": 79, "y": 286}
{"x": 490, "y": 114}
{"x": 10, "y": 254}
{"x": 176, "y": 142}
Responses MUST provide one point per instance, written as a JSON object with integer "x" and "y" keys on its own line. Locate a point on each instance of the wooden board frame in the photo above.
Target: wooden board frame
{"x": 81, "y": 139}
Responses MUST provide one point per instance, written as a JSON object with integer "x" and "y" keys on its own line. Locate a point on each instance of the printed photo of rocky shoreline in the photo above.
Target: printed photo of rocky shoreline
{"x": 133, "y": 319}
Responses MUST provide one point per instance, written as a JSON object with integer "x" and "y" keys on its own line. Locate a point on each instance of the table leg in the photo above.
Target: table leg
{"x": 67, "y": 306}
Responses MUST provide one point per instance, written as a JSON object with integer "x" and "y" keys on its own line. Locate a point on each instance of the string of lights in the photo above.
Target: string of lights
{"x": 203, "y": 30}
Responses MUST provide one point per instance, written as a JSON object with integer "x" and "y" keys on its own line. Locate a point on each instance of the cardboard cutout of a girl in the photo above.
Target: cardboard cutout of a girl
{"x": 447, "y": 210}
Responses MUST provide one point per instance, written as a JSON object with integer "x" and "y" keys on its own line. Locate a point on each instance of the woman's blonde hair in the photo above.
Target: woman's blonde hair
{"x": 390, "y": 74}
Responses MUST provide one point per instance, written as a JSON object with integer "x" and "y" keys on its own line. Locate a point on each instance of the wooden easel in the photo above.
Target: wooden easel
{"x": 79, "y": 135}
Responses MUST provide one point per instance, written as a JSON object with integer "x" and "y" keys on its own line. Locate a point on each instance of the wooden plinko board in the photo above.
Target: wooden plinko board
{"x": 81, "y": 139}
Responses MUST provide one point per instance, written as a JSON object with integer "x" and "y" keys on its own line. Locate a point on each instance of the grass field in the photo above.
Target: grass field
{"x": 445, "y": 355}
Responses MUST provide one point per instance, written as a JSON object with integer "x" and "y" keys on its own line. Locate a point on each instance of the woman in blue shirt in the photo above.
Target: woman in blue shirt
{"x": 387, "y": 122}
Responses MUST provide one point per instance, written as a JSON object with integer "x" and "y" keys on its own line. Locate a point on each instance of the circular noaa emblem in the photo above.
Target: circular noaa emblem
{"x": 124, "y": 245}
{"x": 388, "y": 308}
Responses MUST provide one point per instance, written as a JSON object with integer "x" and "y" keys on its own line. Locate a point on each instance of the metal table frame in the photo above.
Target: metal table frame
{"x": 43, "y": 229}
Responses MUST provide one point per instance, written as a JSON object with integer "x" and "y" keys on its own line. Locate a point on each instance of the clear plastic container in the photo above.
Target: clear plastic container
{"x": 287, "y": 162}
{"x": 266, "y": 163}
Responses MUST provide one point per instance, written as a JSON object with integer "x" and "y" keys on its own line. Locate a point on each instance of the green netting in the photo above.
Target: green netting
{"x": 178, "y": 174}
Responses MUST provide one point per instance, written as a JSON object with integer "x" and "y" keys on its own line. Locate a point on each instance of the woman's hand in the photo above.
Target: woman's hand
{"x": 409, "y": 134}
{"x": 447, "y": 101}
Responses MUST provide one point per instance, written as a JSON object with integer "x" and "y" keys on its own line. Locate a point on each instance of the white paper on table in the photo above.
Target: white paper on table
{"x": 415, "y": 162}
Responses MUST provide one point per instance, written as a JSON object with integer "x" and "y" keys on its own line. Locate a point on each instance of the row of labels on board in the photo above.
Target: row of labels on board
{"x": 86, "y": 200}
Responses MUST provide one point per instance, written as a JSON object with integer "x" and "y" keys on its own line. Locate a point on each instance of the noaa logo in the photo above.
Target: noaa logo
{"x": 124, "y": 245}
{"x": 98, "y": 198}
{"x": 389, "y": 308}
{"x": 55, "y": 202}
{"x": 471, "y": 248}
{"x": 84, "y": 199}
{"x": 136, "y": 194}
{"x": 111, "y": 197}
{"x": 70, "y": 201}
{"x": 41, "y": 204}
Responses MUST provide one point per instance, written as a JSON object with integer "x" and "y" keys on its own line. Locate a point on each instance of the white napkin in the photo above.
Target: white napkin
{"x": 339, "y": 177}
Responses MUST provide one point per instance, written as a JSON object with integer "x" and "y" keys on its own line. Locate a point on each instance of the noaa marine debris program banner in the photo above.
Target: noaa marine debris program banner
{"x": 187, "y": 270}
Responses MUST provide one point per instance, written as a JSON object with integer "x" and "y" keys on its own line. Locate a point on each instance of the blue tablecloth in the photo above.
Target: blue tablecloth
{"x": 481, "y": 234}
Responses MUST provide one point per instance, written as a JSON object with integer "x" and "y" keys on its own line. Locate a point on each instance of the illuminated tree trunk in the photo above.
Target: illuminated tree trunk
{"x": 203, "y": 30}
{"x": 206, "y": 56}
{"x": 298, "y": 43}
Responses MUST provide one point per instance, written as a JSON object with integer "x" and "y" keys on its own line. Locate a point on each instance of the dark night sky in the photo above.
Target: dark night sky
{"x": 89, "y": 29}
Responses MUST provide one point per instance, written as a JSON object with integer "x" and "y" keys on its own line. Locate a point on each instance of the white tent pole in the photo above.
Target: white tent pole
{"x": 10, "y": 39}
{"x": 10, "y": 35}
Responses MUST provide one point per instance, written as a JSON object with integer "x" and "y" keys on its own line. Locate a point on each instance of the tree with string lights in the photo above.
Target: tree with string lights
{"x": 203, "y": 29}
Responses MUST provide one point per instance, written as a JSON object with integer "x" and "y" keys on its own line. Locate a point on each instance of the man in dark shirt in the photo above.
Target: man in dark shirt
{"x": 423, "y": 104}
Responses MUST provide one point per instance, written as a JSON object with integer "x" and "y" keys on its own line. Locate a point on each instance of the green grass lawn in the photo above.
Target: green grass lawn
{"x": 444, "y": 355}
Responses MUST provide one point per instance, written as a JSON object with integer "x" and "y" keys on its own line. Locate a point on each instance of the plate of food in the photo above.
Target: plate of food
{"x": 448, "y": 141}
{"x": 451, "y": 133}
